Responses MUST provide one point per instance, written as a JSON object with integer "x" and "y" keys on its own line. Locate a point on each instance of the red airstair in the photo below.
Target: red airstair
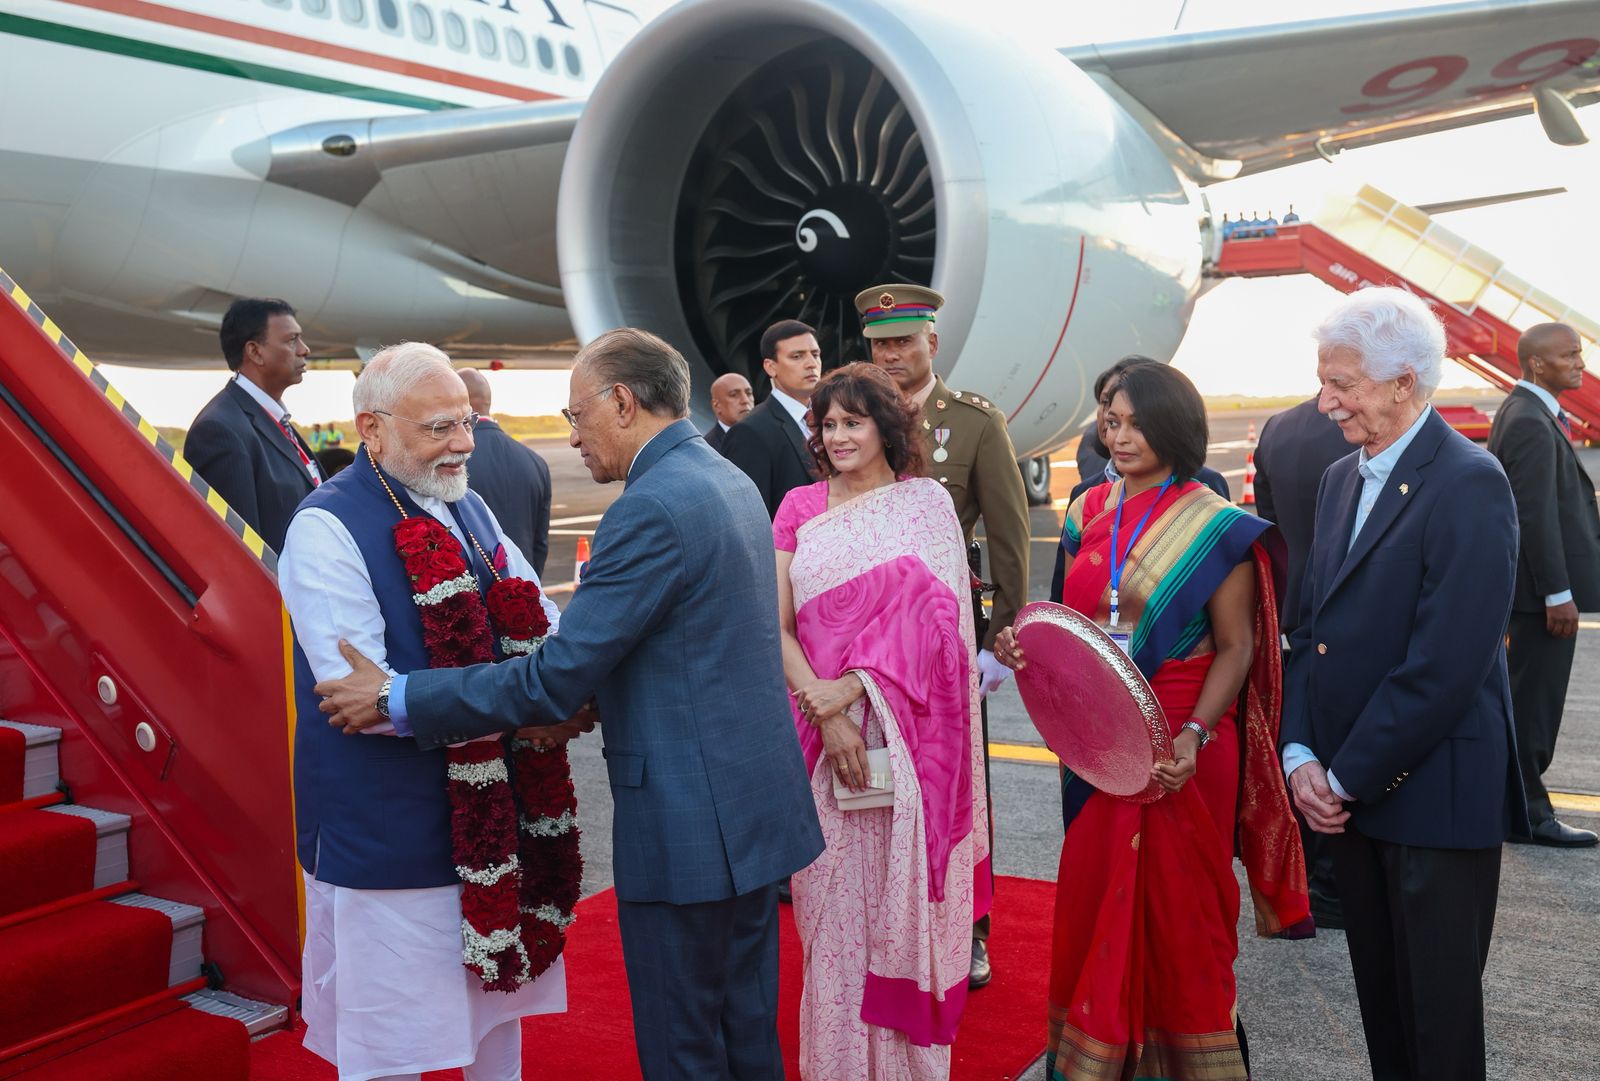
{"x": 1373, "y": 239}
{"x": 149, "y": 918}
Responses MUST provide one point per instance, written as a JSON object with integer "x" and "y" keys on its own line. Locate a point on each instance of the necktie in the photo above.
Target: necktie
{"x": 283, "y": 426}
{"x": 1566, "y": 425}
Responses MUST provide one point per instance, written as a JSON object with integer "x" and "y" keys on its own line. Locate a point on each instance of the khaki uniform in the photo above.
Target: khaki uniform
{"x": 982, "y": 477}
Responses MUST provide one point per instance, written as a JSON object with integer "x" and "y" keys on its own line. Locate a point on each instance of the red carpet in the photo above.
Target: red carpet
{"x": 1002, "y": 1032}
{"x": 74, "y": 964}
{"x": 13, "y": 749}
{"x": 46, "y": 856}
{"x": 184, "y": 1043}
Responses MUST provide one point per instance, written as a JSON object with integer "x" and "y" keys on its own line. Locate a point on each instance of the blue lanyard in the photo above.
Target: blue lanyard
{"x": 1119, "y": 561}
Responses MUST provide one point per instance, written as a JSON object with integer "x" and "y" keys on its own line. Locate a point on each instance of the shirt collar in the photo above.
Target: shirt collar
{"x": 793, "y": 406}
{"x": 1543, "y": 395}
{"x": 274, "y": 408}
{"x": 920, "y": 398}
{"x": 1380, "y": 465}
{"x": 640, "y": 451}
{"x": 724, "y": 427}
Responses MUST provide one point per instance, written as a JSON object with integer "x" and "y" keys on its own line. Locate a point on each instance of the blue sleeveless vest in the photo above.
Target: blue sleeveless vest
{"x": 372, "y": 812}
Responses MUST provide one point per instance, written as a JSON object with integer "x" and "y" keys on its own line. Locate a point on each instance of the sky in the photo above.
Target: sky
{"x": 1246, "y": 337}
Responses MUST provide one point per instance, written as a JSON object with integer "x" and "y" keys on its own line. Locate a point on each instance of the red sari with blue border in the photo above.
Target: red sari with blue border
{"x": 1141, "y": 981}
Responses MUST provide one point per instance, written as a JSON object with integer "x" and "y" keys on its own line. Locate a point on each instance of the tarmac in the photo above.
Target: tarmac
{"x": 1542, "y": 986}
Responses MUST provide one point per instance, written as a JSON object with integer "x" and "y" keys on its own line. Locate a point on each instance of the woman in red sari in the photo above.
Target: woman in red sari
{"x": 1141, "y": 980}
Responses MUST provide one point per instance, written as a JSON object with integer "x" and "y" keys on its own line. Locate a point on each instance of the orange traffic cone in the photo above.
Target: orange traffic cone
{"x": 1250, "y": 436}
{"x": 583, "y": 559}
{"x": 1248, "y": 499}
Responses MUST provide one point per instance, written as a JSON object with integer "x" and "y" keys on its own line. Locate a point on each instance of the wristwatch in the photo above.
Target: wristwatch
{"x": 1193, "y": 724}
{"x": 383, "y": 699}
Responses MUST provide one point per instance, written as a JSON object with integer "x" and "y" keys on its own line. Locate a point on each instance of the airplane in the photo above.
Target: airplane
{"x": 502, "y": 177}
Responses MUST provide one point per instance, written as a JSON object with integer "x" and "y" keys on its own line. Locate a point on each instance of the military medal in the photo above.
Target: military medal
{"x": 941, "y": 436}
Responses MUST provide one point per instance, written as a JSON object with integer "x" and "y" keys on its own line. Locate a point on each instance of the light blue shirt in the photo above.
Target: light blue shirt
{"x": 1554, "y": 406}
{"x": 1374, "y": 473}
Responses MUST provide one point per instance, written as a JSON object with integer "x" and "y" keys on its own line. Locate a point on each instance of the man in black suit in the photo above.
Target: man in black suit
{"x": 242, "y": 442}
{"x": 1397, "y": 736}
{"x": 770, "y": 444}
{"x": 731, "y": 401}
{"x": 1558, "y": 564}
{"x": 510, "y": 477}
{"x": 1297, "y": 446}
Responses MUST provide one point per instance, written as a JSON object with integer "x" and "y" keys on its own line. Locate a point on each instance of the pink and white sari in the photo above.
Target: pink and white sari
{"x": 881, "y": 588}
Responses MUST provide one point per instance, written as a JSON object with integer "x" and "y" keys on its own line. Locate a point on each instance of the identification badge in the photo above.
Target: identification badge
{"x": 1124, "y": 641}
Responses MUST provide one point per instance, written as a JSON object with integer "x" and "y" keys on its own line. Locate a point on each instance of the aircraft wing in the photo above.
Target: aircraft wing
{"x": 481, "y": 183}
{"x": 1241, "y": 101}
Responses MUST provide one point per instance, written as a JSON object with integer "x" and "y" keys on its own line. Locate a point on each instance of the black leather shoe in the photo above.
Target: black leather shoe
{"x": 1554, "y": 833}
{"x": 1327, "y": 913}
{"x": 981, "y": 973}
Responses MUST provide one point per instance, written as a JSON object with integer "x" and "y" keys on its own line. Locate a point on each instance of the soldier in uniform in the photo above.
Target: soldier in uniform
{"x": 970, "y": 453}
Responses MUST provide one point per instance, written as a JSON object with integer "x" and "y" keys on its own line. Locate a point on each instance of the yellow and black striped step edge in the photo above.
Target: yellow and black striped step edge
{"x": 78, "y": 359}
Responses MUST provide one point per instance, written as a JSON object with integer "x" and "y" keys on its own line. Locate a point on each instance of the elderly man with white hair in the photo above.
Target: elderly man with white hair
{"x": 1396, "y": 734}
{"x": 385, "y": 991}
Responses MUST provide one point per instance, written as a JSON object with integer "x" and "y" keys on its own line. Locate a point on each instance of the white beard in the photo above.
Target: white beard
{"x": 427, "y": 480}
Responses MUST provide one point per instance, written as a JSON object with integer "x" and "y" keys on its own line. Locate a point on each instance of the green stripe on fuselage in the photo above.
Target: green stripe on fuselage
{"x": 216, "y": 65}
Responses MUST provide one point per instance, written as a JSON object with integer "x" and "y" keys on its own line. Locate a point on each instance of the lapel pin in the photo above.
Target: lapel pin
{"x": 1405, "y": 489}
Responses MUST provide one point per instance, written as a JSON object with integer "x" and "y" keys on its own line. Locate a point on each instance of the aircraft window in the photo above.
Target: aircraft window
{"x": 574, "y": 62}
{"x": 279, "y": 3}
{"x": 488, "y": 43}
{"x": 422, "y": 27}
{"x": 389, "y": 16}
{"x": 517, "y": 48}
{"x": 455, "y": 32}
{"x": 353, "y": 12}
{"x": 547, "y": 54}
{"x": 319, "y": 8}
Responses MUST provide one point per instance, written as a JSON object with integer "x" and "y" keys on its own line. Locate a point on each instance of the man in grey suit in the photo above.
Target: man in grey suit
{"x": 1558, "y": 560}
{"x": 510, "y": 476}
{"x": 675, "y": 633}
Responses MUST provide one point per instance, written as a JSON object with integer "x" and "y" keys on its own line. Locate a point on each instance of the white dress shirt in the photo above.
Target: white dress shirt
{"x": 1374, "y": 472}
{"x": 1554, "y": 406}
{"x": 327, "y": 588}
{"x": 794, "y": 407}
{"x": 277, "y": 412}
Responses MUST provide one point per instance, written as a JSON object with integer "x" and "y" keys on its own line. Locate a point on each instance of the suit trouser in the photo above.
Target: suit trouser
{"x": 1539, "y": 666}
{"x": 703, "y": 979}
{"x": 1418, "y": 923}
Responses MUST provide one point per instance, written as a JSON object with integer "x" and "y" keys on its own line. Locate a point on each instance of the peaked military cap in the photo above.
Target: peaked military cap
{"x": 890, "y": 311}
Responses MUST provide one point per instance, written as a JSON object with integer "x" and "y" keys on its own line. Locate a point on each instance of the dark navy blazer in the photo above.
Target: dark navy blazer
{"x": 675, "y": 632}
{"x": 1397, "y": 677}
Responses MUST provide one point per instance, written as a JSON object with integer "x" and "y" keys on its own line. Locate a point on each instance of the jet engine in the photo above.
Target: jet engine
{"x": 745, "y": 161}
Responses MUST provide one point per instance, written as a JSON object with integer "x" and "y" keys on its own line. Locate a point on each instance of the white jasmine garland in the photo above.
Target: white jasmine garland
{"x": 479, "y": 774}
{"x": 552, "y": 915}
{"x": 510, "y": 646}
{"x": 461, "y": 584}
{"x": 479, "y": 950}
{"x": 545, "y": 826}
{"x": 489, "y": 875}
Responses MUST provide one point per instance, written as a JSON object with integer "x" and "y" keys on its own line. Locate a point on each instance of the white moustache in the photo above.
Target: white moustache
{"x": 451, "y": 459}
{"x": 1339, "y": 415}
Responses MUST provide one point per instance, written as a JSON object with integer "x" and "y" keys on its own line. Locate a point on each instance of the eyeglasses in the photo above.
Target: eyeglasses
{"x": 572, "y": 417}
{"x": 437, "y": 429}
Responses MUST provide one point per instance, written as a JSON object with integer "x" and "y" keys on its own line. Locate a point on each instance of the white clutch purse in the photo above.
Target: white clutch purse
{"x": 880, "y": 785}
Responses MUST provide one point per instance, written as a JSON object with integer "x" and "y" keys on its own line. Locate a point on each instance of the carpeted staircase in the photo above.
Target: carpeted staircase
{"x": 97, "y": 980}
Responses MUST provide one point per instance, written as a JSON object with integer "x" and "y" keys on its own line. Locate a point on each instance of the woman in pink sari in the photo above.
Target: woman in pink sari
{"x": 879, "y": 653}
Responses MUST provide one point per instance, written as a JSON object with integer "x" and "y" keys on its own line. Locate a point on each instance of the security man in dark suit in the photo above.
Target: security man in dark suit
{"x": 970, "y": 453}
{"x": 511, "y": 477}
{"x": 770, "y": 443}
{"x": 1397, "y": 737}
{"x": 1297, "y": 446}
{"x": 1558, "y": 564}
{"x": 242, "y": 442}
{"x": 731, "y": 401}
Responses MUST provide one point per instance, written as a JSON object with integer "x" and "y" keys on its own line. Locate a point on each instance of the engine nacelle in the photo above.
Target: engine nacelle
{"x": 744, "y": 161}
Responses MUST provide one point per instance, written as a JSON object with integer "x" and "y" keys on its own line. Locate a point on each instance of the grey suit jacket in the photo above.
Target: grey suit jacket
{"x": 675, "y": 632}
{"x": 1556, "y": 509}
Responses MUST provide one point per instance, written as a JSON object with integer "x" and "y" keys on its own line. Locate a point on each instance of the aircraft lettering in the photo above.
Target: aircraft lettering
{"x": 1343, "y": 273}
{"x": 1416, "y": 80}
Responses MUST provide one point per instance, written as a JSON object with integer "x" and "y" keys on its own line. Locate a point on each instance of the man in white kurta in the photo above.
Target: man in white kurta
{"x": 385, "y": 992}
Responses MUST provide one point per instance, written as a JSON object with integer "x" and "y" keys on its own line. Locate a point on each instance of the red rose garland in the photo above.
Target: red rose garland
{"x": 513, "y": 817}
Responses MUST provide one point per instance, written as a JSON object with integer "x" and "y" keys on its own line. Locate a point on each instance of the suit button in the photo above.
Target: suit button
{"x": 1322, "y": 647}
